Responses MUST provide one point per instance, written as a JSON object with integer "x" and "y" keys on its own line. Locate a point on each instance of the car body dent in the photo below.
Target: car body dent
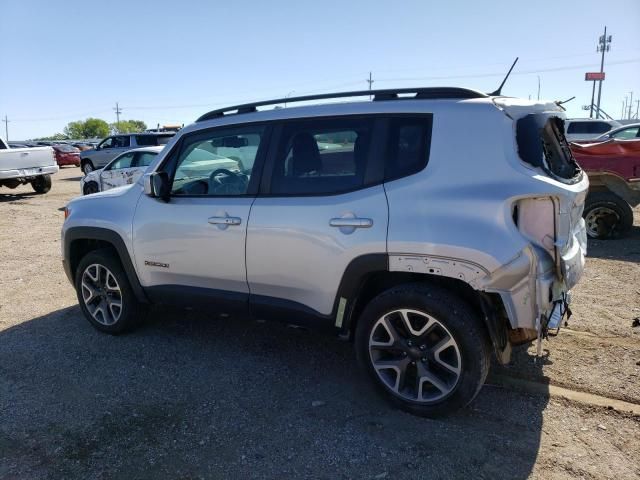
{"x": 473, "y": 227}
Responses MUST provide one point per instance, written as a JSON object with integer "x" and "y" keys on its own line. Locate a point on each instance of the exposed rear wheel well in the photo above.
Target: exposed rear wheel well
{"x": 489, "y": 307}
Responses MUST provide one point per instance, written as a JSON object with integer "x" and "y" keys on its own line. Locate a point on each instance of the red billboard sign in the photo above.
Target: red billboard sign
{"x": 594, "y": 76}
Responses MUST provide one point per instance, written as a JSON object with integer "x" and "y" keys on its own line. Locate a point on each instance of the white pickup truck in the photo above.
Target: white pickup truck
{"x": 19, "y": 166}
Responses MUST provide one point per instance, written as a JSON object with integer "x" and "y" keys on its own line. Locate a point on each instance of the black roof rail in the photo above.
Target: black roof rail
{"x": 378, "y": 95}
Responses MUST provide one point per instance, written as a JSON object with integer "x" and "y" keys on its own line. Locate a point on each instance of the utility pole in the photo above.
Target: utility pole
{"x": 637, "y": 107}
{"x": 630, "y": 104}
{"x": 118, "y": 111}
{"x": 624, "y": 108}
{"x": 6, "y": 128}
{"x": 370, "y": 81}
{"x": 604, "y": 45}
{"x": 593, "y": 95}
{"x": 538, "y": 87}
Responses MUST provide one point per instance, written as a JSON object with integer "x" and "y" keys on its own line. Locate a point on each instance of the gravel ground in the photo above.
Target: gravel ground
{"x": 187, "y": 397}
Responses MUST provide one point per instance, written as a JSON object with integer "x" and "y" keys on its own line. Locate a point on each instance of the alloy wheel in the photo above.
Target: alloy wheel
{"x": 415, "y": 356}
{"x": 101, "y": 294}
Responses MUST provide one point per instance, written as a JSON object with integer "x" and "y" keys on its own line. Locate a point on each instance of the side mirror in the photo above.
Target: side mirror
{"x": 156, "y": 185}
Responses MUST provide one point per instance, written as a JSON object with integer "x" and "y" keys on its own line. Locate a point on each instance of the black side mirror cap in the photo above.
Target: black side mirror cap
{"x": 156, "y": 185}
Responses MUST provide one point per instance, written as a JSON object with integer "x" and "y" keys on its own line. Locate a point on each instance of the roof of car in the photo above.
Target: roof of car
{"x": 606, "y": 120}
{"x": 422, "y": 93}
{"x": 624, "y": 127}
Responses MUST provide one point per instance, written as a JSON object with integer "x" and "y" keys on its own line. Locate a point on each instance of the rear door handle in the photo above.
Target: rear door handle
{"x": 351, "y": 222}
{"x": 225, "y": 220}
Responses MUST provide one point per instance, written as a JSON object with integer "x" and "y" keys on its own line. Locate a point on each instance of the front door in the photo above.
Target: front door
{"x": 322, "y": 209}
{"x": 191, "y": 250}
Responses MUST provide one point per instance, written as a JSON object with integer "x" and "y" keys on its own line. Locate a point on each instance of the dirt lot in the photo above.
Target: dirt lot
{"x": 188, "y": 397}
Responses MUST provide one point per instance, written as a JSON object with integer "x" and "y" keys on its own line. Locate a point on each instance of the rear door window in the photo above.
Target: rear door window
{"x": 121, "y": 141}
{"x": 588, "y": 128}
{"x": 322, "y": 156}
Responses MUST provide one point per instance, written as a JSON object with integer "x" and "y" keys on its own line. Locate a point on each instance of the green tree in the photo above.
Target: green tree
{"x": 128, "y": 126}
{"x": 89, "y": 128}
{"x": 56, "y": 136}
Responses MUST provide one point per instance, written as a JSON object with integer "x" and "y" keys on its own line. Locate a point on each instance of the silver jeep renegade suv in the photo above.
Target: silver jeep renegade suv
{"x": 433, "y": 226}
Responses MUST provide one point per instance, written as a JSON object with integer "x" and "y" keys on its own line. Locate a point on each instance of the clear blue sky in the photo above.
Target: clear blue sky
{"x": 170, "y": 61}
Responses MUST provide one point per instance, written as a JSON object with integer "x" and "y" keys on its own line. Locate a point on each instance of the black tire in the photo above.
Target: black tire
{"x": 462, "y": 324}
{"x": 607, "y": 215}
{"x": 90, "y": 187}
{"x": 131, "y": 310}
{"x": 87, "y": 167}
{"x": 41, "y": 184}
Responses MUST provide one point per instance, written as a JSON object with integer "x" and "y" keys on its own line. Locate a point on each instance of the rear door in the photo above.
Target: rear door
{"x": 322, "y": 205}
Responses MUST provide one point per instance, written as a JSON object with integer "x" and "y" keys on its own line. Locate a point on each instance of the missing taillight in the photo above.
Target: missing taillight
{"x": 536, "y": 219}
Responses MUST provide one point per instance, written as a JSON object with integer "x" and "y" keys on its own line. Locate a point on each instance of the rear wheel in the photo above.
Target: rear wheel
{"x": 606, "y": 215}
{"x": 105, "y": 294}
{"x": 424, "y": 348}
{"x": 87, "y": 167}
{"x": 41, "y": 184}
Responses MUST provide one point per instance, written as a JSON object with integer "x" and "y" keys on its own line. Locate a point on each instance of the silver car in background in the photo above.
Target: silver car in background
{"x": 123, "y": 170}
{"x": 112, "y": 146}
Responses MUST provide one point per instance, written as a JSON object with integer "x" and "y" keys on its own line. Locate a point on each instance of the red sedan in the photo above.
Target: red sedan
{"x": 613, "y": 166}
{"x": 66, "y": 155}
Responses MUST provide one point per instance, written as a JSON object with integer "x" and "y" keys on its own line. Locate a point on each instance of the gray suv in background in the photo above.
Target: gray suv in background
{"x": 111, "y": 147}
{"x": 375, "y": 220}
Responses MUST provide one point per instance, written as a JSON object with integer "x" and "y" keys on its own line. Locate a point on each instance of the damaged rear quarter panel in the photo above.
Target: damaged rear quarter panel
{"x": 468, "y": 217}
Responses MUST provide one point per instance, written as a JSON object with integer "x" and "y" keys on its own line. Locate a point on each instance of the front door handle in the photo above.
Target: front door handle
{"x": 355, "y": 222}
{"x": 225, "y": 220}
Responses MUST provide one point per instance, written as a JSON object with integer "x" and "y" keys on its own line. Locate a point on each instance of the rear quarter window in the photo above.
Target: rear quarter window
{"x": 408, "y": 147}
{"x": 542, "y": 143}
{"x": 588, "y": 128}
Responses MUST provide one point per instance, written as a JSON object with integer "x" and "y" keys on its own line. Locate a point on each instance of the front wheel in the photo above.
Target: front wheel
{"x": 105, "y": 294}
{"x": 424, "y": 348}
{"x": 41, "y": 184}
{"x": 90, "y": 187}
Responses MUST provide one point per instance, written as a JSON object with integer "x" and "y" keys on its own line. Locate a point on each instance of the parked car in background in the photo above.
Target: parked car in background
{"x": 66, "y": 155}
{"x": 111, "y": 147}
{"x": 626, "y": 132}
{"x": 587, "y": 128}
{"x": 432, "y": 250}
{"x": 19, "y": 166}
{"x": 613, "y": 167}
{"x": 18, "y": 145}
{"x": 125, "y": 169}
